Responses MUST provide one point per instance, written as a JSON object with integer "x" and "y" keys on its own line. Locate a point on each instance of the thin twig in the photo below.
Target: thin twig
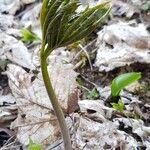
{"x": 88, "y": 57}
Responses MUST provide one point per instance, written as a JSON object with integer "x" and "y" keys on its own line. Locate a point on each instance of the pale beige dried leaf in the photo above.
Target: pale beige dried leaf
{"x": 122, "y": 44}
{"x": 36, "y": 117}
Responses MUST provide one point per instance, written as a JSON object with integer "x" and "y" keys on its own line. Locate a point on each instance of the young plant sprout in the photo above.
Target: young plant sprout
{"x": 61, "y": 25}
{"x": 121, "y": 81}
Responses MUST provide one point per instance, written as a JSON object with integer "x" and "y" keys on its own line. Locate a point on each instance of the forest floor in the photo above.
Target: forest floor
{"x": 81, "y": 74}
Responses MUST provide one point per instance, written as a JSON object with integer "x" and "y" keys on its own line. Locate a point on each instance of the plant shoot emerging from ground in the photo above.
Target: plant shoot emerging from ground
{"x": 121, "y": 81}
{"x": 61, "y": 25}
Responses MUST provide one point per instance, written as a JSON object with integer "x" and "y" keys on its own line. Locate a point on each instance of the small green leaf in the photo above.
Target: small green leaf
{"x": 29, "y": 36}
{"x": 34, "y": 146}
{"x": 51, "y": 14}
{"x": 93, "y": 94}
{"x": 146, "y": 7}
{"x": 135, "y": 115}
{"x": 118, "y": 106}
{"x": 3, "y": 63}
{"x": 79, "y": 81}
{"x": 122, "y": 81}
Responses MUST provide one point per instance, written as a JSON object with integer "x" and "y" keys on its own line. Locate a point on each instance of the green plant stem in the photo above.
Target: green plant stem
{"x": 51, "y": 93}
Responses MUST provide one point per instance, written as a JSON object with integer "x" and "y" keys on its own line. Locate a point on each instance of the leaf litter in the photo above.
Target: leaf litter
{"x": 122, "y": 43}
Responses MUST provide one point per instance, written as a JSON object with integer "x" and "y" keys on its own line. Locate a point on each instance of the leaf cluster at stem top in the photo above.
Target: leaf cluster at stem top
{"x": 61, "y": 25}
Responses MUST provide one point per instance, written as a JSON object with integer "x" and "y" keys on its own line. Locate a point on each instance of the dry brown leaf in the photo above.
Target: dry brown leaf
{"x": 92, "y": 135}
{"x": 122, "y": 44}
{"x": 36, "y": 118}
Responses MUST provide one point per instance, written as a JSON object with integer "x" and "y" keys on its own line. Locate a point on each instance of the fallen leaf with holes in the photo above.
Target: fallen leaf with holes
{"x": 36, "y": 118}
{"x": 122, "y": 44}
{"x": 94, "y": 135}
{"x": 137, "y": 127}
{"x": 94, "y": 130}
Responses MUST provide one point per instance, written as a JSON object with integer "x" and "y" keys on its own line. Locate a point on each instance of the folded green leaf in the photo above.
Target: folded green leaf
{"x": 69, "y": 10}
{"x": 77, "y": 23}
{"x": 86, "y": 26}
{"x": 52, "y": 30}
{"x": 122, "y": 81}
{"x": 80, "y": 34}
{"x": 44, "y": 11}
{"x": 59, "y": 23}
{"x": 51, "y": 13}
{"x": 62, "y": 25}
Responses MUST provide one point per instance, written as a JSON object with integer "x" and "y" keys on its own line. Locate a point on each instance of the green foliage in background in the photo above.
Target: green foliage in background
{"x": 3, "y": 63}
{"x": 28, "y": 36}
{"x": 79, "y": 81}
{"x": 93, "y": 94}
{"x": 146, "y": 6}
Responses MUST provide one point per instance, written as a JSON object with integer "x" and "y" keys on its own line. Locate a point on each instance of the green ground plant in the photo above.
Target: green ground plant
{"x": 121, "y": 81}
{"x": 61, "y": 26}
{"x": 93, "y": 94}
{"x": 118, "y": 84}
{"x": 28, "y": 36}
{"x": 118, "y": 106}
{"x": 34, "y": 146}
